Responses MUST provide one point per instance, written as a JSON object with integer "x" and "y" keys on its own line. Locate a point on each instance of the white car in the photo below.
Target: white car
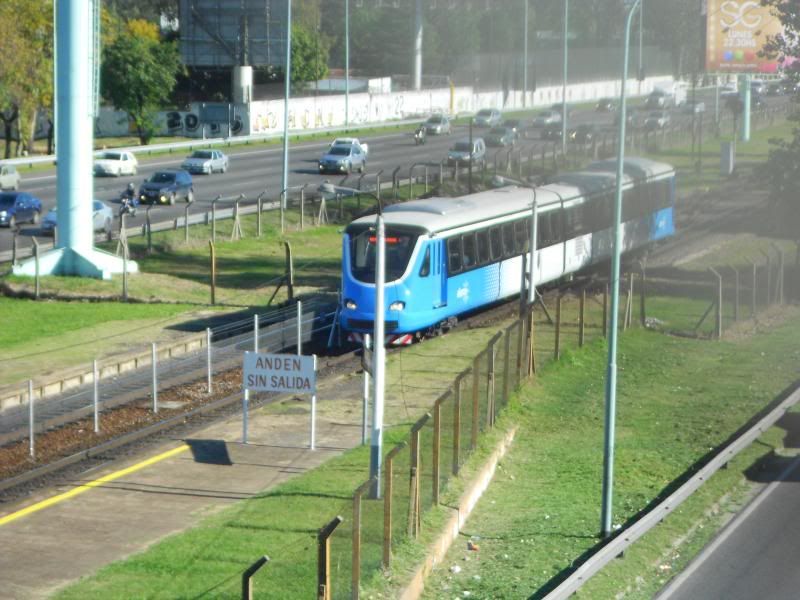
{"x": 206, "y": 161}
{"x": 349, "y": 141}
{"x": 102, "y": 219}
{"x": 9, "y": 177}
{"x": 115, "y": 163}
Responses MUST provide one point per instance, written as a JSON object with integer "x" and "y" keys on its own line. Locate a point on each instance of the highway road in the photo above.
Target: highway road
{"x": 254, "y": 169}
{"x": 755, "y": 556}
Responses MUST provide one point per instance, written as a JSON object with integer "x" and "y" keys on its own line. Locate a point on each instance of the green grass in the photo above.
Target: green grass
{"x": 46, "y": 336}
{"x": 677, "y": 400}
{"x": 207, "y": 561}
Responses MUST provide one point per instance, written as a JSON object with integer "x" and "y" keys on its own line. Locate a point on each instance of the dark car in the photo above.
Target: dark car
{"x": 583, "y": 134}
{"x": 605, "y": 105}
{"x": 19, "y": 207}
{"x": 518, "y": 126}
{"x": 551, "y": 131}
{"x": 500, "y": 136}
{"x": 165, "y": 187}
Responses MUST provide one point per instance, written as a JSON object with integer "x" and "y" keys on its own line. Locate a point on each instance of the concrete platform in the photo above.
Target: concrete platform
{"x": 121, "y": 509}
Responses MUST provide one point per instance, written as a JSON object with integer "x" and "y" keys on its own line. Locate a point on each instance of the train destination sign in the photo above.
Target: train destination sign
{"x": 280, "y": 373}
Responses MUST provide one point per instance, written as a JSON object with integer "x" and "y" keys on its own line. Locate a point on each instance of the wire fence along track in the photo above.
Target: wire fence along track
{"x": 277, "y": 332}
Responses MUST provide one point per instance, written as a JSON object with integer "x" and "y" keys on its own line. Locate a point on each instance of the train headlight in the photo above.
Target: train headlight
{"x": 398, "y": 306}
{"x": 350, "y": 305}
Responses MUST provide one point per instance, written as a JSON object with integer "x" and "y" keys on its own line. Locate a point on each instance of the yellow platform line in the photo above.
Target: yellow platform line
{"x": 88, "y": 486}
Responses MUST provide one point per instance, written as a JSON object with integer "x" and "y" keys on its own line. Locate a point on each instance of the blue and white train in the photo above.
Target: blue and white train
{"x": 449, "y": 256}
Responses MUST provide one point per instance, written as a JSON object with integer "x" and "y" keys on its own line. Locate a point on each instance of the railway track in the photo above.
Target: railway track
{"x": 697, "y": 220}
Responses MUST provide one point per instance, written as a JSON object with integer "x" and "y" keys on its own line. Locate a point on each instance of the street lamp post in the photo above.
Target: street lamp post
{"x": 564, "y": 84}
{"x": 525, "y": 55}
{"x": 378, "y": 347}
{"x": 287, "y": 85}
{"x": 611, "y": 375}
{"x": 347, "y": 63}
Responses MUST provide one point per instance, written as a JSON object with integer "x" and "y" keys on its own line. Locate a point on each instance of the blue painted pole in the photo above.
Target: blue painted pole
{"x": 74, "y": 126}
{"x": 611, "y": 376}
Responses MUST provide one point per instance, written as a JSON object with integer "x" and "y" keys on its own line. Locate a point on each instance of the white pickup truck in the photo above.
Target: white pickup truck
{"x": 348, "y": 141}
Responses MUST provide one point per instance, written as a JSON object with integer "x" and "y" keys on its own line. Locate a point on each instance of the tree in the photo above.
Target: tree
{"x": 782, "y": 170}
{"x": 137, "y": 76}
{"x": 26, "y": 80}
{"x": 309, "y": 57}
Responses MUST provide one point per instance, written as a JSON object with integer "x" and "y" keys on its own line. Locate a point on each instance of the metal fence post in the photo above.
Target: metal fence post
{"x": 36, "y": 287}
{"x": 214, "y": 219}
{"x": 302, "y": 207}
{"x": 769, "y": 277}
{"x": 208, "y": 358}
{"x": 324, "y": 559}
{"x": 299, "y": 327}
{"x": 95, "y": 396}
{"x": 457, "y": 424}
{"x": 31, "y": 422}
{"x": 557, "y": 343}
{"x": 365, "y": 393}
{"x": 718, "y": 302}
{"x": 149, "y": 230}
{"x": 506, "y": 359}
{"x": 581, "y": 317}
{"x": 289, "y": 270}
{"x": 476, "y": 382}
{"x": 437, "y": 426}
{"x": 154, "y": 363}
{"x": 643, "y": 295}
{"x": 258, "y": 214}
{"x": 247, "y": 577}
{"x": 186, "y": 222}
{"x": 490, "y": 384}
{"x": 736, "y": 293}
{"x": 213, "y": 257}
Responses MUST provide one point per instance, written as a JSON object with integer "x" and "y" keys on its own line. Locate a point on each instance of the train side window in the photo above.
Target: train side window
{"x": 483, "y": 246}
{"x": 544, "y": 230}
{"x": 425, "y": 269}
{"x": 470, "y": 256}
{"x": 521, "y": 236}
{"x": 454, "y": 255}
{"x": 496, "y": 243}
{"x": 508, "y": 240}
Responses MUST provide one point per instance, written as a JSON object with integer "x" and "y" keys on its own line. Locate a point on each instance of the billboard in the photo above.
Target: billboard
{"x": 736, "y": 32}
{"x": 224, "y": 33}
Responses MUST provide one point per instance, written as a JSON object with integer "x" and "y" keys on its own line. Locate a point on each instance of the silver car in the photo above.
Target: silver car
{"x": 9, "y": 177}
{"x": 206, "y": 162}
{"x": 488, "y": 117}
{"x": 438, "y": 125}
{"x": 343, "y": 158}
{"x": 102, "y": 219}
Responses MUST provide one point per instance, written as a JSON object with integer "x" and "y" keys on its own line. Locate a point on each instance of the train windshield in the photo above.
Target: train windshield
{"x": 399, "y": 246}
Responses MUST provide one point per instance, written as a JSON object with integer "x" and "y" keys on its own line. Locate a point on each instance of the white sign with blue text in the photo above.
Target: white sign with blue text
{"x": 280, "y": 373}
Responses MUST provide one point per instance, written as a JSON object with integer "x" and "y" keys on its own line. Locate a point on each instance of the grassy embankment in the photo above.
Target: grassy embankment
{"x": 678, "y": 398}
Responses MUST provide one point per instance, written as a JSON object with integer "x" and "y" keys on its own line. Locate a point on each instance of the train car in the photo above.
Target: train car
{"x": 446, "y": 257}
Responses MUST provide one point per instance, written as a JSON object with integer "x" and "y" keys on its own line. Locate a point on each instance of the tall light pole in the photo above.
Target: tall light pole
{"x": 525, "y": 55}
{"x": 418, "y": 46}
{"x": 288, "y": 83}
{"x": 564, "y": 84}
{"x": 611, "y": 374}
{"x": 347, "y": 62}
{"x": 378, "y": 339}
{"x": 640, "y": 72}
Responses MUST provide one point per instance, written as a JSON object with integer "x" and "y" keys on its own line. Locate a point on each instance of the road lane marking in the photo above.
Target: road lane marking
{"x": 727, "y": 531}
{"x": 92, "y": 484}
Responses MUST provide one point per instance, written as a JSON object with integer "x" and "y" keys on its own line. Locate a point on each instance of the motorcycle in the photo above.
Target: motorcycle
{"x": 127, "y": 201}
{"x": 419, "y": 136}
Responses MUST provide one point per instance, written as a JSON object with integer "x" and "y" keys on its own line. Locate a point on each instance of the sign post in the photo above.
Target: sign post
{"x": 282, "y": 373}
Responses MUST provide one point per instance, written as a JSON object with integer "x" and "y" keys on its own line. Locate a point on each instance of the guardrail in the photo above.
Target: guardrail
{"x": 208, "y": 142}
{"x": 625, "y": 538}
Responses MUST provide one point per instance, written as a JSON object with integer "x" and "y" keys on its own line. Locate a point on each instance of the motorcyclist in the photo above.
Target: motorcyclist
{"x": 128, "y": 200}
{"x": 419, "y": 134}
